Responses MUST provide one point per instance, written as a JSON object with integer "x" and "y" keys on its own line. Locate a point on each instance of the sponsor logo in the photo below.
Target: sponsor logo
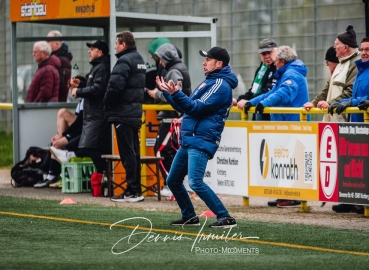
{"x": 264, "y": 159}
{"x": 328, "y": 162}
{"x": 141, "y": 66}
{"x": 33, "y": 9}
{"x": 278, "y": 170}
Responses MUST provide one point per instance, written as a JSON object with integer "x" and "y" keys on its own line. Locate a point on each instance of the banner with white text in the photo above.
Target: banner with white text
{"x": 227, "y": 172}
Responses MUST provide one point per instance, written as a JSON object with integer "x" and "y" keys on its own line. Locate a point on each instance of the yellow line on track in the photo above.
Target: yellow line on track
{"x": 280, "y": 244}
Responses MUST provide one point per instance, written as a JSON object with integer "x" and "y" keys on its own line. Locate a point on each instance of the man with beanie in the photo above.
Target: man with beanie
{"x": 123, "y": 106}
{"x": 176, "y": 71}
{"x": 264, "y": 78}
{"x": 331, "y": 62}
{"x": 360, "y": 99}
{"x": 360, "y": 88}
{"x": 342, "y": 79}
{"x": 205, "y": 113}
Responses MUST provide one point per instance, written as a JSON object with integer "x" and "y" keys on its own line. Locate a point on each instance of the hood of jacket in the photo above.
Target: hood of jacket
{"x": 297, "y": 65}
{"x": 167, "y": 53}
{"x": 225, "y": 74}
{"x": 155, "y": 44}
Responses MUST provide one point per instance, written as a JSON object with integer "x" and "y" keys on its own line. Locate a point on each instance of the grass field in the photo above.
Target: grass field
{"x": 40, "y": 234}
{"x": 6, "y": 149}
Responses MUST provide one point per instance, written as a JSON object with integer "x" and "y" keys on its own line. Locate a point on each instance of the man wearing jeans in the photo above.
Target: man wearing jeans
{"x": 205, "y": 113}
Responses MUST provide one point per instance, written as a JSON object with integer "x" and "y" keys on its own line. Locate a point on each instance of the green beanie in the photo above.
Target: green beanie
{"x": 155, "y": 44}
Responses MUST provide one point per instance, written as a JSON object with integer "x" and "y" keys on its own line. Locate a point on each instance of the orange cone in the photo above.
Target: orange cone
{"x": 68, "y": 201}
{"x": 208, "y": 213}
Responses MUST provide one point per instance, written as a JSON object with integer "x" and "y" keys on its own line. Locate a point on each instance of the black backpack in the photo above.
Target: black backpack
{"x": 30, "y": 170}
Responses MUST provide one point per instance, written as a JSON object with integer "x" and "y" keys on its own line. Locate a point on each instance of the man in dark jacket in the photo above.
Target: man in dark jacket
{"x": 123, "y": 105}
{"x": 60, "y": 49}
{"x": 95, "y": 139}
{"x": 205, "y": 113}
{"x": 45, "y": 83}
{"x": 176, "y": 71}
{"x": 264, "y": 78}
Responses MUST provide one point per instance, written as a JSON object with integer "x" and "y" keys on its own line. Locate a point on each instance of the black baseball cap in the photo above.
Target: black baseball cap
{"x": 217, "y": 53}
{"x": 101, "y": 45}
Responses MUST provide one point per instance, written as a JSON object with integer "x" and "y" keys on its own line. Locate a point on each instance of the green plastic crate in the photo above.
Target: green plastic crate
{"x": 76, "y": 177}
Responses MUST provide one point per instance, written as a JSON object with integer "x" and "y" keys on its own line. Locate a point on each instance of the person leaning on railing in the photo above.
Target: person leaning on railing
{"x": 342, "y": 79}
{"x": 291, "y": 90}
{"x": 360, "y": 99}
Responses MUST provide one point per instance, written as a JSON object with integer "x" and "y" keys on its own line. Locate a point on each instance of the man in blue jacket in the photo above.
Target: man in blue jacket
{"x": 360, "y": 88}
{"x": 205, "y": 113}
{"x": 291, "y": 89}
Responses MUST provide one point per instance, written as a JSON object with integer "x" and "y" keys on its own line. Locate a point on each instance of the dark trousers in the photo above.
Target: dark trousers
{"x": 129, "y": 152}
{"x": 169, "y": 151}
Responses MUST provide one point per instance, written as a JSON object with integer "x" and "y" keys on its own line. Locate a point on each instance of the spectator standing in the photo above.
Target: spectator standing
{"x": 359, "y": 98}
{"x": 205, "y": 113}
{"x": 342, "y": 79}
{"x": 95, "y": 139}
{"x": 44, "y": 86}
{"x": 60, "y": 49}
{"x": 264, "y": 78}
{"x": 177, "y": 72}
{"x": 291, "y": 90}
{"x": 360, "y": 87}
{"x": 123, "y": 105}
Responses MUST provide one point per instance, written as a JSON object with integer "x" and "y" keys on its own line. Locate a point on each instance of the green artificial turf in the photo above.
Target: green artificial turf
{"x": 41, "y": 234}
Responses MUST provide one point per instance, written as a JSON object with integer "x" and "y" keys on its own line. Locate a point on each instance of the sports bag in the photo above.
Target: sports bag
{"x": 30, "y": 170}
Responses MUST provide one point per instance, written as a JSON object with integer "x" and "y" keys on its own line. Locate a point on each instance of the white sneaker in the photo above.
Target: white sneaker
{"x": 61, "y": 155}
{"x": 165, "y": 192}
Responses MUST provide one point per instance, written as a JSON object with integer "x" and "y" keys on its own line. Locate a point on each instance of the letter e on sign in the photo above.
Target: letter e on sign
{"x": 328, "y": 162}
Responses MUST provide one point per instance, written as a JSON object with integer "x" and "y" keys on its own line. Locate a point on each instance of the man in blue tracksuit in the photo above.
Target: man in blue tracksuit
{"x": 291, "y": 89}
{"x": 360, "y": 88}
{"x": 205, "y": 113}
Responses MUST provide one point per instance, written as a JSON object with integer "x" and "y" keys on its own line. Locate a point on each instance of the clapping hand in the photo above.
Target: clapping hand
{"x": 169, "y": 87}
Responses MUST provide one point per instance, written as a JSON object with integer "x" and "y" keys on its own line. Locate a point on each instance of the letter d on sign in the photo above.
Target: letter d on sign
{"x": 327, "y": 176}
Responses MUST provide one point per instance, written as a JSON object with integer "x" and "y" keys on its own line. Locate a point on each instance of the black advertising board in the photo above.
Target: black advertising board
{"x": 353, "y": 163}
